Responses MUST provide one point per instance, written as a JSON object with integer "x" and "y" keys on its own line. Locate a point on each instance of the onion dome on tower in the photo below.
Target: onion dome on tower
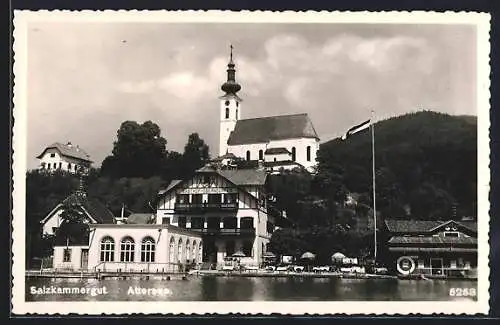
{"x": 231, "y": 86}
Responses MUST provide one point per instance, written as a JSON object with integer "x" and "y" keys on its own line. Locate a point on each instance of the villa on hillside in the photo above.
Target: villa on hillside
{"x": 66, "y": 157}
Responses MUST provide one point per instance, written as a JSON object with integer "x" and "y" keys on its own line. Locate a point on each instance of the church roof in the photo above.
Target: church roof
{"x": 276, "y": 151}
{"x": 264, "y": 129}
{"x": 68, "y": 150}
{"x": 244, "y": 176}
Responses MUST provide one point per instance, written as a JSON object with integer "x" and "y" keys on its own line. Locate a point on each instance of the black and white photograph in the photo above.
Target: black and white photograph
{"x": 269, "y": 162}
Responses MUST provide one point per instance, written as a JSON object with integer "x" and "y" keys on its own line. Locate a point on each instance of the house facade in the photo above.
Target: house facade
{"x": 433, "y": 248}
{"x": 92, "y": 211}
{"x": 67, "y": 157}
{"x": 289, "y": 139}
{"x": 229, "y": 208}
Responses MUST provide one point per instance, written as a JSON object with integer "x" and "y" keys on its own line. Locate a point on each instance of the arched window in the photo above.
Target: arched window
{"x": 188, "y": 250}
{"x": 194, "y": 251}
{"x": 308, "y": 153}
{"x": 69, "y": 166}
{"x": 179, "y": 251}
{"x": 261, "y": 154}
{"x": 227, "y": 112}
{"x": 248, "y": 154}
{"x": 107, "y": 249}
{"x": 247, "y": 248}
{"x": 171, "y": 251}
{"x": 236, "y": 112}
{"x": 200, "y": 252}
{"x": 246, "y": 223}
{"x": 293, "y": 154}
{"x": 127, "y": 247}
{"x": 148, "y": 250}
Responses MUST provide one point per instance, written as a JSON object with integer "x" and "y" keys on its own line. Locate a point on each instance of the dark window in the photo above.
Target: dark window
{"x": 237, "y": 104}
{"x": 230, "y": 247}
{"x": 43, "y": 165}
{"x": 60, "y": 165}
{"x": 69, "y": 166}
{"x": 261, "y": 154}
{"x": 230, "y": 198}
{"x": 182, "y": 198}
{"x": 230, "y": 223}
{"x": 127, "y": 248}
{"x": 227, "y": 112}
{"x": 67, "y": 255}
{"x": 107, "y": 250}
{"x": 227, "y": 103}
{"x": 197, "y": 223}
{"x": 52, "y": 155}
{"x": 247, "y": 248}
{"x": 236, "y": 111}
{"x": 248, "y": 154}
{"x": 308, "y": 153}
{"x": 213, "y": 223}
{"x": 165, "y": 220}
{"x": 214, "y": 198}
{"x": 148, "y": 250}
{"x": 55, "y": 166}
{"x": 274, "y": 158}
{"x": 451, "y": 234}
{"x": 197, "y": 198}
{"x": 293, "y": 154}
{"x": 246, "y": 223}
{"x": 182, "y": 222}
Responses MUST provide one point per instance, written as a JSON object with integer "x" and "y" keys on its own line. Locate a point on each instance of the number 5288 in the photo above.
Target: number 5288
{"x": 462, "y": 292}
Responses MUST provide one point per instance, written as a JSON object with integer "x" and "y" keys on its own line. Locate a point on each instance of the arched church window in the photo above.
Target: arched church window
{"x": 308, "y": 153}
{"x": 293, "y": 154}
{"x": 261, "y": 154}
{"x": 227, "y": 103}
{"x": 237, "y": 104}
{"x": 227, "y": 112}
{"x": 248, "y": 154}
{"x": 236, "y": 113}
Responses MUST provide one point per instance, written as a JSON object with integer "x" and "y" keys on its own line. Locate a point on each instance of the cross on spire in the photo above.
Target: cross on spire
{"x": 231, "y": 55}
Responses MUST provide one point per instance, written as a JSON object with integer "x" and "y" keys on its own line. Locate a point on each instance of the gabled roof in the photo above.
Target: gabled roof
{"x": 422, "y": 226}
{"x": 68, "y": 150}
{"x": 398, "y": 240}
{"x": 92, "y": 206}
{"x": 239, "y": 177}
{"x": 242, "y": 177}
{"x": 276, "y": 151}
{"x": 264, "y": 129}
{"x": 141, "y": 218}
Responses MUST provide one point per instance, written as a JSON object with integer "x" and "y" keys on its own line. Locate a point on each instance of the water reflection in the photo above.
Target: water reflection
{"x": 254, "y": 289}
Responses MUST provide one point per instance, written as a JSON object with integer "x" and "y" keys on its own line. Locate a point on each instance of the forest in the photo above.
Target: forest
{"x": 426, "y": 168}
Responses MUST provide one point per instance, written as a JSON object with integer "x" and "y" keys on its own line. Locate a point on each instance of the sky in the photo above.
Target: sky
{"x": 86, "y": 78}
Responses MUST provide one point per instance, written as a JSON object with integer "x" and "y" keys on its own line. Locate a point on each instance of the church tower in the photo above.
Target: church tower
{"x": 230, "y": 106}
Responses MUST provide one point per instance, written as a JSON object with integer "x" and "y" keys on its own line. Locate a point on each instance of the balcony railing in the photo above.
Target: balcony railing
{"x": 205, "y": 207}
{"x": 226, "y": 231}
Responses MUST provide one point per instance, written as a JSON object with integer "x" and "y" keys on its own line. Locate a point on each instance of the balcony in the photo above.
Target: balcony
{"x": 204, "y": 207}
{"x": 227, "y": 231}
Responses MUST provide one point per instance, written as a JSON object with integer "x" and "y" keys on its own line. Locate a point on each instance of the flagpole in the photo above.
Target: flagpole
{"x": 372, "y": 126}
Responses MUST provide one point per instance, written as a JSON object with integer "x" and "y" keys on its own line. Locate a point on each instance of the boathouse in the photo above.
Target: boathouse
{"x": 433, "y": 248}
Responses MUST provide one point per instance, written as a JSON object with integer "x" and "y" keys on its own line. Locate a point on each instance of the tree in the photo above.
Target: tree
{"x": 139, "y": 151}
{"x": 73, "y": 228}
{"x": 196, "y": 154}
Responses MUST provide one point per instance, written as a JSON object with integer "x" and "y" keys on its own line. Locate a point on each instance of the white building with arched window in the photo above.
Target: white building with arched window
{"x": 142, "y": 248}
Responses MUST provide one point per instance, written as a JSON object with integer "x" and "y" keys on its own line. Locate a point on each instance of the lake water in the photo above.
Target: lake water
{"x": 250, "y": 289}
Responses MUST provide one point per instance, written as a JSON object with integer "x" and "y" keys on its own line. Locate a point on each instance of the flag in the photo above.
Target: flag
{"x": 356, "y": 129}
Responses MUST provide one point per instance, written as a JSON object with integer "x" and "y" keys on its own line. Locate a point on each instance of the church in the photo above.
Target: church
{"x": 279, "y": 142}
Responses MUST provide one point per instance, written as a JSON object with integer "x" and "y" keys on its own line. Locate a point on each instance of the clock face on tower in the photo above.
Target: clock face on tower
{"x": 227, "y": 103}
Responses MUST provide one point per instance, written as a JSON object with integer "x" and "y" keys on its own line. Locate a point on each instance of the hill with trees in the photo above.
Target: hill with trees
{"x": 426, "y": 164}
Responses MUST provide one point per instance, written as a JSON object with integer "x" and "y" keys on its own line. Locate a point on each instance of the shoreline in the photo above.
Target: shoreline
{"x": 35, "y": 274}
